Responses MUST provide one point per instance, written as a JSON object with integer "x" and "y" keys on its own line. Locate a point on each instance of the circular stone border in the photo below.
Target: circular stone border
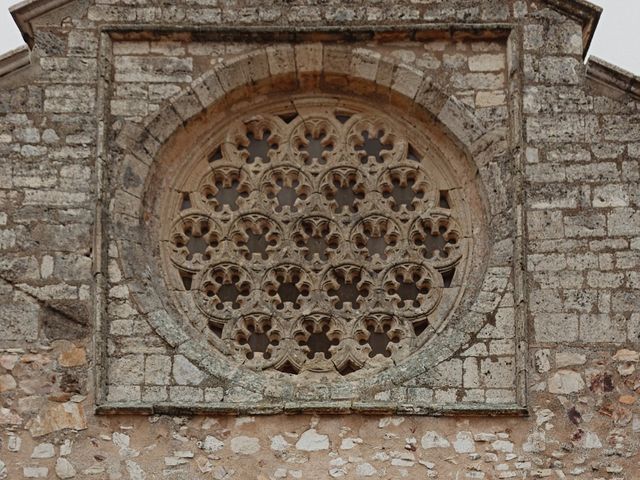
{"x": 272, "y": 70}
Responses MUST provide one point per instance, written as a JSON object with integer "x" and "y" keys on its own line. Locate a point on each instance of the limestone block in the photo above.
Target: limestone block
{"x": 308, "y": 57}
{"x": 258, "y": 65}
{"x": 487, "y": 63}
{"x": 490, "y": 99}
{"x": 621, "y": 128}
{"x": 562, "y": 128}
{"x": 164, "y": 124}
{"x": 455, "y": 116}
{"x": 545, "y": 224}
{"x": 594, "y": 172}
{"x": 127, "y": 370}
{"x": 623, "y": 221}
{"x": 19, "y": 319}
{"x": 155, "y": 394}
{"x": 152, "y": 69}
{"x": 407, "y": 81}
{"x": 585, "y": 225}
{"x": 234, "y": 73}
{"x": 157, "y": 369}
{"x": 243, "y": 445}
{"x": 73, "y": 357}
{"x": 498, "y": 373}
{"x": 613, "y": 195}
{"x": 58, "y": 416}
{"x": 311, "y": 441}
{"x": 566, "y": 382}
{"x": 556, "y": 327}
{"x": 208, "y": 88}
{"x": 281, "y": 59}
{"x": 64, "y": 469}
{"x": 187, "y": 104}
{"x": 69, "y": 70}
{"x": 186, "y": 373}
{"x": 134, "y": 173}
{"x": 364, "y": 63}
{"x": 186, "y": 395}
{"x": 602, "y": 328}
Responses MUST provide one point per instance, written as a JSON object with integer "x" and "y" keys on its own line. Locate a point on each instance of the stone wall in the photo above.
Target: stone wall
{"x": 573, "y": 139}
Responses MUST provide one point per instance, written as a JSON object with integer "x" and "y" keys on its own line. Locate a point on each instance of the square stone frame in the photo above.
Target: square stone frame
{"x": 510, "y": 32}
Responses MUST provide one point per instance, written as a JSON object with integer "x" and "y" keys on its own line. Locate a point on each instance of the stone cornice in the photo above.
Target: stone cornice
{"x": 27, "y": 10}
{"x": 612, "y": 76}
{"x": 14, "y": 60}
{"x": 585, "y": 12}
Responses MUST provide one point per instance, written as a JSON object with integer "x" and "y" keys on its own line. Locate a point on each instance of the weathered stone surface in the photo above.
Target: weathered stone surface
{"x": 64, "y": 469}
{"x": 311, "y": 441}
{"x": 73, "y": 357}
{"x": 212, "y": 444}
{"x": 365, "y": 470}
{"x": 43, "y": 450}
{"x": 625, "y": 355}
{"x": 567, "y": 359}
{"x": 7, "y": 417}
{"x": 19, "y": 318}
{"x": 566, "y": 382}
{"x": 245, "y": 445}
{"x": 58, "y": 416}
{"x": 8, "y": 361}
{"x": 35, "y": 472}
{"x": 464, "y": 443}
{"x": 186, "y": 373}
{"x": 433, "y": 440}
{"x": 157, "y": 369}
{"x": 7, "y": 383}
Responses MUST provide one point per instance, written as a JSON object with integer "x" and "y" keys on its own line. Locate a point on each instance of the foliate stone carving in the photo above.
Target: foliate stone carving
{"x": 316, "y": 240}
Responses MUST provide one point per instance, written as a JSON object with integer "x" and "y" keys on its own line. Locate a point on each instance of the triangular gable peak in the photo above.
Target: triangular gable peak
{"x": 24, "y": 12}
{"x": 582, "y": 11}
{"x": 585, "y": 12}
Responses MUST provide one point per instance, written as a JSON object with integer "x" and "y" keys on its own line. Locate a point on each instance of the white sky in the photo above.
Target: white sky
{"x": 617, "y": 39}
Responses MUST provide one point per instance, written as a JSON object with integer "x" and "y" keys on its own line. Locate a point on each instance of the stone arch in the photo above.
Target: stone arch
{"x": 279, "y": 68}
{"x": 276, "y": 69}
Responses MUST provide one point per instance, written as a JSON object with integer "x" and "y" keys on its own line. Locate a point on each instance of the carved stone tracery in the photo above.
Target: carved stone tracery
{"x": 316, "y": 240}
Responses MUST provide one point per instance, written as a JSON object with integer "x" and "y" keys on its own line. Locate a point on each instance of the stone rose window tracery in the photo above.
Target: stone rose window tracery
{"x": 316, "y": 239}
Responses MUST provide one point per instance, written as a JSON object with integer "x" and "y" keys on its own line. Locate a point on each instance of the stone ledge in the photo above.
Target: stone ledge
{"x": 320, "y": 408}
{"x": 382, "y": 33}
{"x": 610, "y": 75}
{"x": 14, "y": 60}
{"x": 587, "y": 13}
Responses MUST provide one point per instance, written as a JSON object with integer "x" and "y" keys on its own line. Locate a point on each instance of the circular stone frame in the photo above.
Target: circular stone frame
{"x": 150, "y": 159}
{"x": 216, "y": 149}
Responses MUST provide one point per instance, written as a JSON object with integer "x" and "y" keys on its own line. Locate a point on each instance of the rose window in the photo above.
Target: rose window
{"x": 320, "y": 240}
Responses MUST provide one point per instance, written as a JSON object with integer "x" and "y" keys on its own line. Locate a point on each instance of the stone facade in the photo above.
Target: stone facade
{"x": 532, "y": 376}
